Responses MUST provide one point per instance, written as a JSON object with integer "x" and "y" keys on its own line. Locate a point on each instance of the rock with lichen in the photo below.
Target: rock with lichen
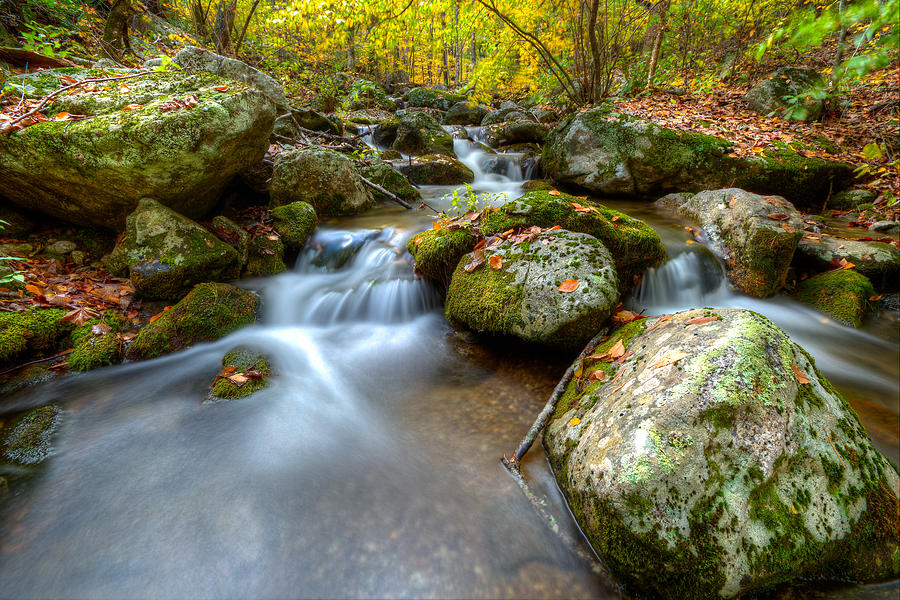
{"x": 245, "y": 371}
{"x": 754, "y": 235}
{"x": 792, "y": 93}
{"x": 97, "y": 344}
{"x": 27, "y": 439}
{"x": 265, "y": 256}
{"x": 422, "y": 97}
{"x": 715, "y": 460}
{"x": 842, "y": 294}
{"x": 518, "y": 289}
{"x": 210, "y": 311}
{"x": 295, "y": 223}
{"x": 325, "y": 179}
{"x": 175, "y": 136}
{"x": 415, "y": 133}
{"x": 438, "y": 251}
{"x": 166, "y": 253}
{"x": 437, "y": 169}
{"x": 879, "y": 261}
{"x": 385, "y": 175}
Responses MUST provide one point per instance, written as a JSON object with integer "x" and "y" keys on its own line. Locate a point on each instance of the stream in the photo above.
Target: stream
{"x": 370, "y": 466}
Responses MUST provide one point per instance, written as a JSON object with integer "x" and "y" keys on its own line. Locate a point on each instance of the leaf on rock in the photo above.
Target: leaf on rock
{"x": 617, "y": 350}
{"x": 670, "y": 359}
{"x": 778, "y": 216}
{"x": 574, "y": 422}
{"x": 495, "y": 261}
{"x": 133, "y": 107}
{"x": 569, "y": 285}
{"x": 802, "y": 379}
{"x": 221, "y": 88}
{"x": 597, "y": 375}
{"x": 79, "y": 316}
{"x": 626, "y": 316}
{"x": 702, "y": 320}
{"x": 477, "y": 260}
{"x": 553, "y": 192}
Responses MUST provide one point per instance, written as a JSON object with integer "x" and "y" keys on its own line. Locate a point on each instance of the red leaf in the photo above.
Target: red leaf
{"x": 569, "y": 285}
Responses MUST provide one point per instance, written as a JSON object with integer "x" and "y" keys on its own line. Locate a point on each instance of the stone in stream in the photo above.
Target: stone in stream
{"x": 210, "y": 311}
{"x": 295, "y": 223}
{"x": 842, "y": 294}
{"x": 438, "y": 251}
{"x": 415, "y": 133}
{"x": 634, "y": 245}
{"x": 437, "y": 169}
{"x": 96, "y": 343}
{"x": 325, "y": 179}
{"x": 716, "y": 461}
{"x": 364, "y": 94}
{"x": 466, "y": 113}
{"x": 182, "y": 139}
{"x": 27, "y": 439}
{"x": 237, "y": 236}
{"x": 265, "y": 256}
{"x": 609, "y": 153}
{"x": 522, "y": 298}
{"x": 774, "y": 93}
{"x": 879, "y": 261}
{"x": 391, "y": 179}
{"x": 754, "y": 235}
{"x": 251, "y": 373}
{"x": 518, "y": 132}
{"x": 430, "y": 98}
{"x": 367, "y": 116}
{"x": 165, "y": 253}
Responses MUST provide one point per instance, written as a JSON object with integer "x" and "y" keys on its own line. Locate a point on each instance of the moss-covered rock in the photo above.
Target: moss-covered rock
{"x": 792, "y": 93}
{"x": 253, "y": 369}
{"x": 37, "y": 330}
{"x": 235, "y": 235}
{"x": 95, "y": 344}
{"x": 544, "y": 185}
{"x": 391, "y": 179}
{"x": 852, "y": 199}
{"x": 437, "y": 169}
{"x": 522, "y": 299}
{"x": 438, "y": 251}
{"x": 634, "y": 245}
{"x": 418, "y": 133}
{"x": 842, "y": 294}
{"x": 879, "y": 261}
{"x": 368, "y": 116}
{"x": 755, "y": 236}
{"x": 208, "y": 312}
{"x": 703, "y": 466}
{"x": 315, "y": 121}
{"x": 265, "y": 256}
{"x": 27, "y": 439}
{"x": 95, "y": 170}
{"x": 606, "y": 152}
{"x": 517, "y": 132}
{"x": 166, "y": 253}
{"x": 466, "y": 113}
{"x": 325, "y": 179}
{"x": 295, "y": 223}
{"x": 421, "y": 97}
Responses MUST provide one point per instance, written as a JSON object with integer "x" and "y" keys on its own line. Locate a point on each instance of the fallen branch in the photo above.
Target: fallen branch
{"x": 384, "y": 192}
{"x": 20, "y": 58}
{"x": 34, "y": 362}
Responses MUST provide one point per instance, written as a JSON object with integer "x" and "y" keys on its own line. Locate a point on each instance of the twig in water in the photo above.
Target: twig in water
{"x": 34, "y": 362}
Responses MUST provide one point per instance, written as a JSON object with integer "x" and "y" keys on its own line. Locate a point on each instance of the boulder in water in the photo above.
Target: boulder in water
{"x": 385, "y": 175}
{"x": 27, "y": 439}
{"x": 755, "y": 235}
{"x": 437, "y": 169}
{"x": 210, "y": 311}
{"x": 248, "y": 371}
{"x": 842, "y": 294}
{"x": 716, "y": 460}
{"x": 96, "y": 343}
{"x": 879, "y": 261}
{"x": 166, "y": 253}
{"x": 183, "y": 139}
{"x": 421, "y": 97}
{"x": 466, "y": 113}
{"x": 516, "y": 291}
{"x": 265, "y": 256}
{"x": 793, "y": 93}
{"x": 325, "y": 179}
{"x": 295, "y": 223}
{"x": 418, "y": 134}
{"x": 517, "y": 132}
{"x": 438, "y": 251}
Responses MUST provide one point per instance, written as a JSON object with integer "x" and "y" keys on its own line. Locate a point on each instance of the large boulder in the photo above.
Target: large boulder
{"x": 879, "y": 261}
{"x": 210, "y": 311}
{"x": 437, "y": 169}
{"x": 429, "y": 98}
{"x": 713, "y": 459}
{"x": 418, "y": 134}
{"x": 166, "y": 253}
{"x": 200, "y": 59}
{"x": 516, "y": 290}
{"x": 793, "y": 93}
{"x": 466, "y": 113}
{"x": 609, "y": 153}
{"x": 175, "y": 136}
{"x": 842, "y": 294}
{"x": 755, "y": 235}
{"x": 385, "y": 175}
{"x": 634, "y": 245}
{"x": 325, "y": 179}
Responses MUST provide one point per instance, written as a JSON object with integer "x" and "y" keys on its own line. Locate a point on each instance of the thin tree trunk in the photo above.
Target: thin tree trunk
{"x": 657, "y": 42}
{"x": 456, "y": 44}
{"x": 839, "y": 52}
{"x": 237, "y": 47}
{"x": 199, "y": 16}
{"x": 446, "y": 68}
{"x": 115, "y": 29}
{"x": 351, "y": 49}
{"x": 224, "y": 25}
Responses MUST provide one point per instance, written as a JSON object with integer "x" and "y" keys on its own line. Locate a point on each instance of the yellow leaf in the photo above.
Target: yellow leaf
{"x": 670, "y": 358}
{"x": 574, "y": 422}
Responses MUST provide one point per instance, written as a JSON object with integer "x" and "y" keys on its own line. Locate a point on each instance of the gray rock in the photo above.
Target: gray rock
{"x": 850, "y": 199}
{"x": 326, "y": 180}
{"x": 465, "y": 113}
{"x": 419, "y": 134}
{"x": 879, "y": 261}
{"x": 703, "y": 466}
{"x": 61, "y": 247}
{"x": 437, "y": 169}
{"x": 385, "y": 175}
{"x": 239, "y": 236}
{"x": 885, "y": 226}
{"x": 774, "y": 93}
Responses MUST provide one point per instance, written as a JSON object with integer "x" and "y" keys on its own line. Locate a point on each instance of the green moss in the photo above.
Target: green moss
{"x": 430, "y": 98}
{"x": 295, "y": 223}
{"x": 485, "y": 300}
{"x": 36, "y": 330}
{"x": 244, "y": 360}
{"x": 366, "y": 94}
{"x": 265, "y": 256}
{"x": 92, "y": 350}
{"x": 843, "y": 294}
{"x": 208, "y": 312}
{"x": 390, "y": 179}
{"x": 26, "y": 440}
{"x": 438, "y": 251}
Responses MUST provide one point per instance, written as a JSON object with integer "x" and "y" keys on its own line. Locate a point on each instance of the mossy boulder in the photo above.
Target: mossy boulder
{"x": 634, "y": 245}
{"x": 437, "y": 169}
{"x": 96, "y": 343}
{"x": 517, "y": 132}
{"x": 438, "y": 251}
{"x": 391, "y": 179}
{"x": 368, "y": 116}
{"x": 418, "y": 133}
{"x": 27, "y": 439}
{"x": 367, "y": 94}
{"x": 754, "y": 235}
{"x": 94, "y": 171}
{"x": 466, "y": 113}
{"x": 235, "y": 235}
{"x": 879, "y": 261}
{"x": 842, "y": 294}
{"x": 265, "y": 256}
{"x": 421, "y": 97}
{"x": 166, "y": 253}
{"x": 852, "y": 199}
{"x": 210, "y": 311}
{"x": 522, "y": 298}
{"x": 252, "y": 369}
{"x": 35, "y": 331}
{"x": 325, "y": 179}
{"x": 792, "y": 93}
{"x": 295, "y": 223}
{"x": 705, "y": 467}
{"x": 606, "y": 152}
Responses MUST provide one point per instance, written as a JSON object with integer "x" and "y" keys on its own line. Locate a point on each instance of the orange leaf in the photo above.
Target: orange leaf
{"x": 417, "y": 241}
{"x": 221, "y": 88}
{"x": 155, "y": 317}
{"x": 132, "y": 107}
{"x": 507, "y": 233}
{"x": 191, "y": 101}
{"x": 702, "y": 320}
{"x": 34, "y": 290}
{"x": 553, "y": 192}
{"x": 617, "y": 350}
{"x": 802, "y": 379}
{"x": 124, "y": 88}
{"x": 875, "y": 298}
{"x": 597, "y": 375}
{"x": 436, "y": 225}
{"x": 60, "y": 116}
{"x": 625, "y": 316}
{"x": 778, "y": 216}
{"x": 238, "y": 379}
{"x": 479, "y": 245}
{"x": 569, "y": 285}
{"x": 616, "y": 218}
{"x": 670, "y": 358}
{"x": 846, "y": 264}
{"x": 554, "y": 228}
{"x": 495, "y": 261}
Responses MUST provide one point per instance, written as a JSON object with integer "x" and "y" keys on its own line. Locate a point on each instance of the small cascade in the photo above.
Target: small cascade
{"x": 693, "y": 278}
{"x": 494, "y": 173}
{"x": 368, "y": 136}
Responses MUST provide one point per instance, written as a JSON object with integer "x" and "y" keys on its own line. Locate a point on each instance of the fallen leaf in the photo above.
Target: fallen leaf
{"x": 507, "y": 233}
{"x": 124, "y": 88}
{"x": 689, "y": 242}
{"x": 155, "y": 317}
{"x": 436, "y": 225}
{"x": 702, "y": 320}
{"x": 778, "y": 216}
{"x": 495, "y": 261}
{"x": 478, "y": 246}
{"x": 477, "y": 259}
{"x": 617, "y": 350}
{"x": 625, "y": 316}
{"x": 875, "y": 298}
{"x": 670, "y": 358}
{"x": 569, "y": 285}
{"x": 221, "y": 88}
{"x": 845, "y": 264}
{"x": 574, "y": 422}
{"x": 554, "y": 192}
{"x": 100, "y": 329}
{"x": 238, "y": 379}
{"x": 34, "y": 289}
{"x": 132, "y": 107}
{"x": 597, "y": 375}
{"x": 802, "y": 379}
{"x": 191, "y": 101}
{"x": 417, "y": 241}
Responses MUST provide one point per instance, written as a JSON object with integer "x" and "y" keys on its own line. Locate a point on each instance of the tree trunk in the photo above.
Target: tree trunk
{"x": 115, "y": 29}
{"x": 351, "y": 49}
{"x": 199, "y": 17}
{"x": 457, "y": 75}
{"x": 446, "y": 67}
{"x": 663, "y": 6}
{"x": 224, "y": 25}
{"x": 839, "y": 52}
{"x": 237, "y": 47}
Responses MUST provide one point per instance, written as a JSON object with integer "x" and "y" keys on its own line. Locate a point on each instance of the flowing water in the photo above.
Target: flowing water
{"x": 369, "y": 468}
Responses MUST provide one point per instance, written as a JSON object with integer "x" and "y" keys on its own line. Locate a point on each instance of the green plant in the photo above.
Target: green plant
{"x": 471, "y": 201}
{"x": 45, "y": 39}
{"x": 7, "y": 274}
